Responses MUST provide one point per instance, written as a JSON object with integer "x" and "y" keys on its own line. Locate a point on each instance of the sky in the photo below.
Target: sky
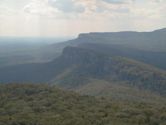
{"x": 58, "y": 18}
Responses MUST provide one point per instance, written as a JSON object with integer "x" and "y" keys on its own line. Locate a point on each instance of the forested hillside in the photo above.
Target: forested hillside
{"x": 76, "y": 66}
{"x": 85, "y": 64}
{"x": 29, "y": 104}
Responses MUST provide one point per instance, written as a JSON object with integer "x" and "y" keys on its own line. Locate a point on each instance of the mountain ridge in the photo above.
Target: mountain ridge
{"x": 125, "y": 31}
{"x": 88, "y": 64}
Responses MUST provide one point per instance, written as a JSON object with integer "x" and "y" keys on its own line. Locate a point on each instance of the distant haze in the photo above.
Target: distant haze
{"x": 30, "y": 40}
{"x": 61, "y": 18}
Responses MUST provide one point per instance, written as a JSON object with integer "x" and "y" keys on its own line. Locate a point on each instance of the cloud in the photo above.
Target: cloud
{"x": 115, "y": 1}
{"x": 5, "y": 10}
{"x": 75, "y": 8}
{"x": 58, "y": 9}
{"x": 42, "y": 8}
{"x": 67, "y": 6}
{"x": 49, "y": 17}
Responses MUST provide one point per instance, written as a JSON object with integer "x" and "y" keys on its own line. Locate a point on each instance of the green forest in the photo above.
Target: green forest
{"x": 41, "y": 104}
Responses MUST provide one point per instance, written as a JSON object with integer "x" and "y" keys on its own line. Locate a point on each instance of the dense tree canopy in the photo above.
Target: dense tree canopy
{"x": 27, "y": 104}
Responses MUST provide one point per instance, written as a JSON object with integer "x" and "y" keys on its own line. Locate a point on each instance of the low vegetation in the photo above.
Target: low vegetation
{"x": 27, "y": 104}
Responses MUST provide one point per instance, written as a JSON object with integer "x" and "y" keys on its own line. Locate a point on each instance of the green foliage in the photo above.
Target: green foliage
{"x": 141, "y": 75}
{"x": 27, "y": 104}
{"x": 89, "y": 64}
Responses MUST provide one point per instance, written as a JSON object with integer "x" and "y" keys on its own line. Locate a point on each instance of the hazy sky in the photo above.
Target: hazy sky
{"x": 71, "y": 17}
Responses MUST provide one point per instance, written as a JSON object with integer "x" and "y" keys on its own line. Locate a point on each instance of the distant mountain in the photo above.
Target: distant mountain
{"x": 23, "y": 50}
{"x": 85, "y": 64}
{"x": 100, "y": 64}
{"x": 125, "y": 71}
{"x": 148, "y": 47}
{"x": 76, "y": 66}
{"x": 148, "y": 41}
